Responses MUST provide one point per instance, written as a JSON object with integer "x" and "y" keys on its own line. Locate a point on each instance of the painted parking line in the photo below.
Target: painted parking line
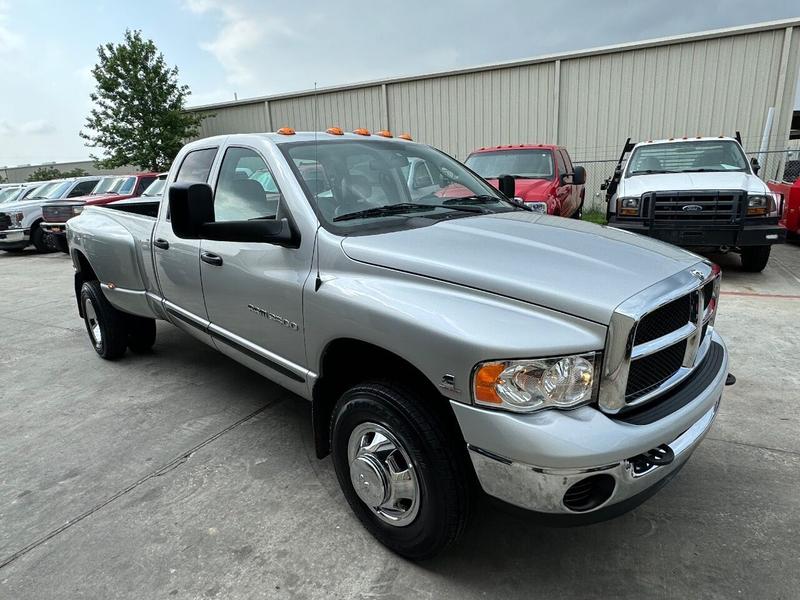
{"x": 759, "y": 295}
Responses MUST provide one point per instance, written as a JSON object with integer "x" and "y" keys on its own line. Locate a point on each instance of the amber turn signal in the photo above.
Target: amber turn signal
{"x": 485, "y": 383}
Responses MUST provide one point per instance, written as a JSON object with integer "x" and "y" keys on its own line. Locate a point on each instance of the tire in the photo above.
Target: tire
{"x": 578, "y": 214}
{"x": 107, "y": 327}
{"x": 432, "y": 505}
{"x": 39, "y": 240}
{"x": 61, "y": 244}
{"x": 141, "y": 334}
{"x": 14, "y": 250}
{"x": 755, "y": 258}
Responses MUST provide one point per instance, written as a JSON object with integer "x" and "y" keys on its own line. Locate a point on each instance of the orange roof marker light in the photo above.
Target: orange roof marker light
{"x": 384, "y": 133}
{"x": 334, "y": 131}
{"x": 361, "y": 131}
{"x": 286, "y": 131}
{"x": 407, "y": 137}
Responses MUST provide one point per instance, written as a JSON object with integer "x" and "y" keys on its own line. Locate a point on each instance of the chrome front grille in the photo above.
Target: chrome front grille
{"x": 658, "y": 337}
{"x": 710, "y": 207}
{"x": 56, "y": 214}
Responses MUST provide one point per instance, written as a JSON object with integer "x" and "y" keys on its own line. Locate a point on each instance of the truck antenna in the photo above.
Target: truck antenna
{"x": 318, "y": 281}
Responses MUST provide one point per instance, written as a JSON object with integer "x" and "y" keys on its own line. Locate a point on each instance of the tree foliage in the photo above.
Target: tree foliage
{"x": 48, "y": 173}
{"x": 139, "y": 117}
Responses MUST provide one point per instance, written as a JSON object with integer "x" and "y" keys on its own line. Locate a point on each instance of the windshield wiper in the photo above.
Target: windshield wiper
{"x": 483, "y": 199}
{"x": 396, "y": 209}
{"x": 652, "y": 172}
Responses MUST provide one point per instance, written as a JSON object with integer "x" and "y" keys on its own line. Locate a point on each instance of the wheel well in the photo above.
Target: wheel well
{"x": 346, "y": 362}
{"x": 83, "y": 272}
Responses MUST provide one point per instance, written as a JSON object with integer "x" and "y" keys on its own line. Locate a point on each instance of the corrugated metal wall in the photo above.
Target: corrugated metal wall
{"x": 701, "y": 84}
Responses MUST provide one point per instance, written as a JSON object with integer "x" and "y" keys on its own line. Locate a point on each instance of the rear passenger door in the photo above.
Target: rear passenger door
{"x": 177, "y": 261}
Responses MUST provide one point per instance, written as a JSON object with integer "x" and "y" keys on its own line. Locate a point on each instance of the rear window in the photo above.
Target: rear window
{"x": 196, "y": 166}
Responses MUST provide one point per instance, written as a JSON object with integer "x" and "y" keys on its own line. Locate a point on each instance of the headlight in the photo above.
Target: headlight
{"x": 18, "y": 218}
{"x": 629, "y": 207}
{"x": 759, "y": 205}
{"x": 535, "y": 384}
{"x": 77, "y": 209}
{"x": 540, "y": 207}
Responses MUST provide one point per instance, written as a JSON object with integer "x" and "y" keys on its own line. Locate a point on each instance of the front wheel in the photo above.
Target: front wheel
{"x": 755, "y": 258}
{"x": 107, "y": 327}
{"x": 39, "y": 240}
{"x": 400, "y": 472}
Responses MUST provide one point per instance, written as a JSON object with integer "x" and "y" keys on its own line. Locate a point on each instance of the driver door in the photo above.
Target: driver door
{"x": 253, "y": 291}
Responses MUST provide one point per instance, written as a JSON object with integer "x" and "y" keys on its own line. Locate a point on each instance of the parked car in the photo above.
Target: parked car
{"x": 695, "y": 192}
{"x": 434, "y": 352}
{"x": 14, "y": 192}
{"x": 544, "y": 176}
{"x": 20, "y": 221}
{"x": 789, "y": 194}
{"x": 108, "y": 189}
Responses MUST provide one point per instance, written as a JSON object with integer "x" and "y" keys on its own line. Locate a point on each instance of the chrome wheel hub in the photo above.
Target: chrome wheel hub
{"x": 93, "y": 325}
{"x": 382, "y": 474}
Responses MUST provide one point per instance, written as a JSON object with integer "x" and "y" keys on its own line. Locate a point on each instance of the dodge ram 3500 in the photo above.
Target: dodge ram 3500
{"x": 436, "y": 354}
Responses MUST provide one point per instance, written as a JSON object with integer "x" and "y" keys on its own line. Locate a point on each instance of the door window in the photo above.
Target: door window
{"x": 196, "y": 166}
{"x": 246, "y": 189}
{"x": 83, "y": 188}
{"x": 567, "y": 161}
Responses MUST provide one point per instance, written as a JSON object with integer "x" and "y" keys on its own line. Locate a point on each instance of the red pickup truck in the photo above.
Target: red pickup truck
{"x": 791, "y": 205}
{"x": 108, "y": 189}
{"x": 544, "y": 176}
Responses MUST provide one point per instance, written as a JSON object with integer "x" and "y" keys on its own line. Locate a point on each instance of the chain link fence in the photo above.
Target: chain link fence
{"x": 777, "y": 163}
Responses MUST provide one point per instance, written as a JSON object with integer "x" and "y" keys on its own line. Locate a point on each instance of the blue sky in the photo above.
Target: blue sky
{"x": 257, "y": 47}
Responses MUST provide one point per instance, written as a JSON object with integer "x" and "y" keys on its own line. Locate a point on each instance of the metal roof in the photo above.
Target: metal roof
{"x": 662, "y": 41}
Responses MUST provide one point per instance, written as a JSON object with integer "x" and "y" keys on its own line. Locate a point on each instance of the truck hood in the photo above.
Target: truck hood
{"x": 21, "y": 206}
{"x": 570, "y": 266}
{"x": 529, "y": 189}
{"x": 640, "y": 184}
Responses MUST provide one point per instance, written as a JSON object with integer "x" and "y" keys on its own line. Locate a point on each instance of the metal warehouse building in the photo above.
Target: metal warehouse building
{"x": 709, "y": 83}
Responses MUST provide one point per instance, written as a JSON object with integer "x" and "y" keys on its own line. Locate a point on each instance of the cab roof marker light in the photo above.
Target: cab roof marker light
{"x": 334, "y": 131}
{"x": 361, "y": 131}
{"x": 407, "y": 137}
{"x": 285, "y": 131}
{"x": 384, "y": 133}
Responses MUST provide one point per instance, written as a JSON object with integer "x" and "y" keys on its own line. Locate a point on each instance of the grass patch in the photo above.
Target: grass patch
{"x": 595, "y": 216}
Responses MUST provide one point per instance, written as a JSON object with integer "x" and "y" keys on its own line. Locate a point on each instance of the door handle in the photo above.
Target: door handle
{"x": 211, "y": 258}
{"x": 161, "y": 243}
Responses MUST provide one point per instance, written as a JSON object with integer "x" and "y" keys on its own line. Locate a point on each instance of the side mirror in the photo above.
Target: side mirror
{"x": 755, "y": 165}
{"x": 577, "y": 177}
{"x": 191, "y": 208}
{"x": 507, "y": 185}
{"x": 191, "y": 205}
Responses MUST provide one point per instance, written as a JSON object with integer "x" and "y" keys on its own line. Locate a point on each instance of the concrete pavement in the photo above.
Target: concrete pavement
{"x": 181, "y": 474}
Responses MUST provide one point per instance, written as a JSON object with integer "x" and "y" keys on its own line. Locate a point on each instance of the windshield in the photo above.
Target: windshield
{"x": 42, "y": 190}
{"x": 125, "y": 186}
{"x": 356, "y": 185}
{"x": 156, "y": 188}
{"x": 105, "y": 185}
{"x": 57, "y": 191}
{"x": 523, "y": 164}
{"x": 687, "y": 157}
{"x": 8, "y": 194}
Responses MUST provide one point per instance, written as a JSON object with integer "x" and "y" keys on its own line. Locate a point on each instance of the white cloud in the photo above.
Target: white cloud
{"x": 35, "y": 127}
{"x": 9, "y": 40}
{"x": 242, "y": 33}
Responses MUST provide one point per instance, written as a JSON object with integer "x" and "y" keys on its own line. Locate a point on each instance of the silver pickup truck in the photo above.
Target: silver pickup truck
{"x": 448, "y": 339}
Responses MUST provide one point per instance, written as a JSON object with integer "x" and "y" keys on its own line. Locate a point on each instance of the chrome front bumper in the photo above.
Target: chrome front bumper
{"x": 14, "y": 237}
{"x": 530, "y": 461}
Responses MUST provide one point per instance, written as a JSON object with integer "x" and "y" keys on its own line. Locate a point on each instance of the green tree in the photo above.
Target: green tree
{"x": 139, "y": 116}
{"x": 48, "y": 173}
